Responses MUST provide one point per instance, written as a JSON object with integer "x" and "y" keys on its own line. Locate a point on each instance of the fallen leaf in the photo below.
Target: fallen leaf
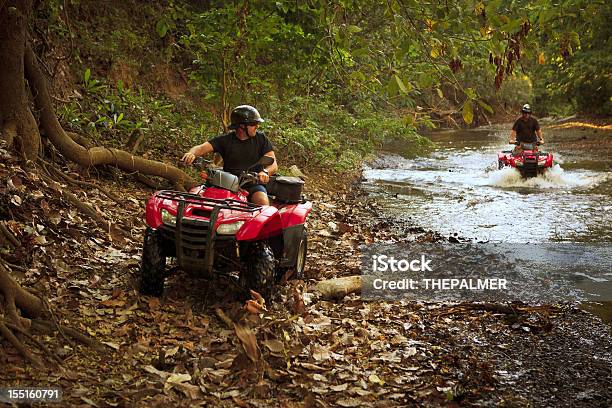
{"x": 249, "y": 341}
{"x": 275, "y": 346}
{"x": 111, "y": 345}
{"x": 178, "y": 378}
{"x": 350, "y": 402}
{"x": 341, "y": 387}
{"x": 153, "y": 370}
{"x": 376, "y": 379}
{"x": 154, "y": 303}
{"x": 191, "y": 391}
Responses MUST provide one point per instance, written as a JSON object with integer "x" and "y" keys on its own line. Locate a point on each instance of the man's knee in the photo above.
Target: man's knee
{"x": 260, "y": 198}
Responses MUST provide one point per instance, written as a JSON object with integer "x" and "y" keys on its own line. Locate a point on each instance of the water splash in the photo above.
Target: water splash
{"x": 555, "y": 177}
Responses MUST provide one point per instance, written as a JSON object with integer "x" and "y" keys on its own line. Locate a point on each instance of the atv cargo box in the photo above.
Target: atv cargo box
{"x": 286, "y": 188}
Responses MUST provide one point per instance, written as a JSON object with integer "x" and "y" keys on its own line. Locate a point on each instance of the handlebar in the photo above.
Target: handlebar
{"x": 538, "y": 143}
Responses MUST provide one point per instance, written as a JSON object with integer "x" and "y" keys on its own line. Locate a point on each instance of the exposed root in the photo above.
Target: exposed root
{"x": 17, "y": 297}
{"x": 9, "y": 235}
{"x": 147, "y": 181}
{"x": 72, "y": 181}
{"x": 48, "y": 327}
{"x": 19, "y": 346}
{"x": 96, "y": 155}
{"x": 34, "y": 340}
{"x": 81, "y": 140}
{"x": 104, "y": 224}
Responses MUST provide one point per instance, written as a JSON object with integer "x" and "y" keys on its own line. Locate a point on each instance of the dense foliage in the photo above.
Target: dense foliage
{"x": 336, "y": 78}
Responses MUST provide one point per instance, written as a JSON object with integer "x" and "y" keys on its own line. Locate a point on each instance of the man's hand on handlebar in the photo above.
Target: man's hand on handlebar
{"x": 263, "y": 177}
{"x": 188, "y": 158}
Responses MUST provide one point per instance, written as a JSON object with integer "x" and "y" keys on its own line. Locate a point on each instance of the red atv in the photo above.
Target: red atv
{"x": 528, "y": 160}
{"x": 214, "y": 229}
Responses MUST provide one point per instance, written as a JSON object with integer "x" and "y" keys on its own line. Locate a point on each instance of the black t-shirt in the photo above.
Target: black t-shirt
{"x": 239, "y": 155}
{"x": 526, "y": 129}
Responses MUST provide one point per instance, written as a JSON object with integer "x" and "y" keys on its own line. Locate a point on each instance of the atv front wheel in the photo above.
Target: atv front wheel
{"x": 153, "y": 265}
{"x": 260, "y": 272}
{"x": 500, "y": 165}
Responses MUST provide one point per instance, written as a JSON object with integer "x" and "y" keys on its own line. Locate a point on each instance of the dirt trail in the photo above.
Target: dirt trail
{"x": 197, "y": 346}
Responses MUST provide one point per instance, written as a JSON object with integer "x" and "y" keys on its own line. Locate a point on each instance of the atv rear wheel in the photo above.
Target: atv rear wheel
{"x": 153, "y": 265}
{"x": 260, "y": 271}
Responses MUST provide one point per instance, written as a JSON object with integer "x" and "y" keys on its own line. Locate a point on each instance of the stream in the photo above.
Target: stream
{"x": 459, "y": 192}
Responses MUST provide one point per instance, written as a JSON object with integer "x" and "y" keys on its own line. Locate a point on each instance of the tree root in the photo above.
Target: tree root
{"x": 105, "y": 225}
{"x": 9, "y": 235}
{"x": 95, "y": 155}
{"x": 19, "y": 346}
{"x": 72, "y": 181}
{"x": 17, "y": 297}
{"x": 81, "y": 140}
{"x": 48, "y": 327}
{"x": 34, "y": 340}
{"x": 147, "y": 181}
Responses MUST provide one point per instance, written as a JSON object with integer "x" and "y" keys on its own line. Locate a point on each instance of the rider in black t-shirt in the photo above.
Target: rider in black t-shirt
{"x": 526, "y": 128}
{"x": 241, "y": 149}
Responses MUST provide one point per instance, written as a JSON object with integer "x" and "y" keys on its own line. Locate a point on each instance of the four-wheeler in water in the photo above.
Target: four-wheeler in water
{"x": 527, "y": 159}
{"x": 213, "y": 229}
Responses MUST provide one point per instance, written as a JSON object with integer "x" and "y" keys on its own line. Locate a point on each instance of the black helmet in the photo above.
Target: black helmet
{"x": 526, "y": 108}
{"x": 243, "y": 115}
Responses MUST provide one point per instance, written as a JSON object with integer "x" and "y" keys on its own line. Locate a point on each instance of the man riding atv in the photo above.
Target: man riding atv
{"x": 241, "y": 149}
{"x": 526, "y": 129}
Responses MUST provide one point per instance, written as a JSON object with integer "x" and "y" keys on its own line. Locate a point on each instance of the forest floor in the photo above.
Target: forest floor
{"x": 197, "y": 345}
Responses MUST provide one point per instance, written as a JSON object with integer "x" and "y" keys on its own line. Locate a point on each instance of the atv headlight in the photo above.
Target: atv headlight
{"x": 168, "y": 218}
{"x": 229, "y": 228}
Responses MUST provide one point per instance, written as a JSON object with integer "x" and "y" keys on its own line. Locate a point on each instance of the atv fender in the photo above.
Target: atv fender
{"x": 266, "y": 224}
{"x": 295, "y": 214}
{"x": 153, "y": 216}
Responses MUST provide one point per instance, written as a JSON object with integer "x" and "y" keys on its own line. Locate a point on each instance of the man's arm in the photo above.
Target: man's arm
{"x": 197, "y": 151}
{"x": 512, "y": 139}
{"x": 264, "y": 176}
{"x": 539, "y": 134}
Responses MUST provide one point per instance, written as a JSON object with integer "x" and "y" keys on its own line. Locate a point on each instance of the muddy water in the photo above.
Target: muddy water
{"x": 458, "y": 189}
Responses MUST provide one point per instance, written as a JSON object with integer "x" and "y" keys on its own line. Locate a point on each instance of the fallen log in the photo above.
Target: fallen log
{"x": 339, "y": 287}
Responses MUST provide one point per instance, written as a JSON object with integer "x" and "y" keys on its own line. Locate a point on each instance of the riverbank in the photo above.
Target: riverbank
{"x": 197, "y": 345}
{"x": 478, "y": 354}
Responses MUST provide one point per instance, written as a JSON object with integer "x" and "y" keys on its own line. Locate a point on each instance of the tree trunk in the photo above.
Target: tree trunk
{"x": 17, "y": 124}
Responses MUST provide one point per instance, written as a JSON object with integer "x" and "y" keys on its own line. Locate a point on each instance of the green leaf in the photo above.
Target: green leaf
{"x": 485, "y": 106}
{"x": 162, "y": 28}
{"x": 353, "y": 29}
{"x": 440, "y": 94}
{"x": 400, "y": 84}
{"x": 87, "y": 75}
{"x": 468, "y": 112}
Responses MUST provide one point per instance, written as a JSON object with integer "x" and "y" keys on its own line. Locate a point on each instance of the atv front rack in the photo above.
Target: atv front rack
{"x": 194, "y": 238}
{"x": 226, "y": 204}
